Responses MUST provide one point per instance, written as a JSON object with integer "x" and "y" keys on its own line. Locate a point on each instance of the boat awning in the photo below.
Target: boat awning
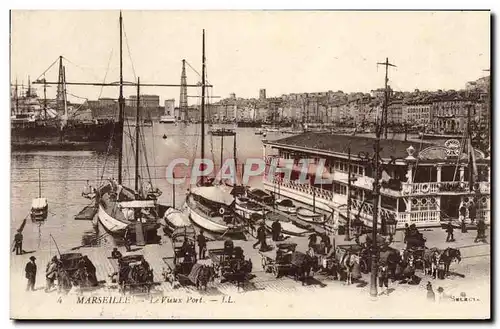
{"x": 138, "y": 204}
{"x": 214, "y": 193}
{"x": 39, "y": 203}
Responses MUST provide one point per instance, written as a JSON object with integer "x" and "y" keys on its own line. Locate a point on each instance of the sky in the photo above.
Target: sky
{"x": 281, "y": 51}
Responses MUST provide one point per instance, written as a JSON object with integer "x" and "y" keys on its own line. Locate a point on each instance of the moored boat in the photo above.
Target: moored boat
{"x": 287, "y": 228}
{"x": 310, "y": 216}
{"x": 39, "y": 209}
{"x": 175, "y": 219}
{"x": 246, "y": 207}
{"x": 286, "y": 206}
{"x": 211, "y": 208}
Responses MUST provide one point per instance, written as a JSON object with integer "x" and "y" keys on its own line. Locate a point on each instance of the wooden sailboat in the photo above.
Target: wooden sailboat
{"x": 39, "y": 206}
{"x": 211, "y": 206}
{"x": 120, "y": 208}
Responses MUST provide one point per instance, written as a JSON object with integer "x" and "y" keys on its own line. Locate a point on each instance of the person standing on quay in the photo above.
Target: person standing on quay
{"x": 481, "y": 232}
{"x": 31, "y": 273}
{"x": 261, "y": 237}
{"x": 202, "y": 245}
{"x": 18, "y": 243}
{"x": 449, "y": 230}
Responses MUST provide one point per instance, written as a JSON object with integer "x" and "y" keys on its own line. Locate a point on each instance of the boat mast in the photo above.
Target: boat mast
{"x": 235, "y": 161}
{"x": 45, "y": 98}
{"x": 203, "y": 102}
{"x": 39, "y": 185}
{"x": 120, "y": 110}
{"x": 65, "y": 99}
{"x": 137, "y": 127}
{"x": 17, "y": 100}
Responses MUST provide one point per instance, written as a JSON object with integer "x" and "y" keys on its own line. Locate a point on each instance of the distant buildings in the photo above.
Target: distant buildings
{"x": 147, "y": 101}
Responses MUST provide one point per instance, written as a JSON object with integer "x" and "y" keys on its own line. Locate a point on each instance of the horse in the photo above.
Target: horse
{"x": 206, "y": 274}
{"x": 349, "y": 262}
{"x": 448, "y": 256}
{"x": 303, "y": 264}
{"x": 430, "y": 261}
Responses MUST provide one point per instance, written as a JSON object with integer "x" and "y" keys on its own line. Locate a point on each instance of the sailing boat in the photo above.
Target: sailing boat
{"x": 211, "y": 206}
{"x": 39, "y": 206}
{"x": 120, "y": 208}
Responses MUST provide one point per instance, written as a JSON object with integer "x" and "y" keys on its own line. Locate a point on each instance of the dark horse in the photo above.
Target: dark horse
{"x": 448, "y": 256}
{"x": 303, "y": 264}
{"x": 205, "y": 275}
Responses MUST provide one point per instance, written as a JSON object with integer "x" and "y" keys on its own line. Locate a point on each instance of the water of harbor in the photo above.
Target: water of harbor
{"x": 64, "y": 175}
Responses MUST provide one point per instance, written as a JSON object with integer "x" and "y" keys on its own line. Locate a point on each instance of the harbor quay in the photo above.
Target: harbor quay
{"x": 474, "y": 264}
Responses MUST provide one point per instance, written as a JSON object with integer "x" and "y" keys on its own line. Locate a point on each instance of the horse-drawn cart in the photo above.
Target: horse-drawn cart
{"x": 278, "y": 261}
{"x": 133, "y": 273}
{"x": 229, "y": 263}
{"x": 183, "y": 259}
{"x": 75, "y": 269}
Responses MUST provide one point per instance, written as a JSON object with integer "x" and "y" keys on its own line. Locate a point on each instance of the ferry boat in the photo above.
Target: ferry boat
{"x": 422, "y": 184}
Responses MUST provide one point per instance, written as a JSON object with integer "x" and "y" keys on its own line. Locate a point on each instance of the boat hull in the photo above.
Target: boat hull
{"x": 206, "y": 223}
{"x": 109, "y": 222}
{"x": 39, "y": 214}
{"x": 247, "y": 213}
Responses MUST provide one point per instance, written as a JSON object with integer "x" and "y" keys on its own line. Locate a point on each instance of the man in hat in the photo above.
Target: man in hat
{"x": 18, "y": 243}
{"x": 115, "y": 254}
{"x": 383, "y": 277}
{"x": 31, "y": 273}
{"x": 481, "y": 231}
{"x": 261, "y": 237}
{"x": 449, "y": 230}
{"x": 202, "y": 245}
{"x": 276, "y": 228}
{"x": 127, "y": 239}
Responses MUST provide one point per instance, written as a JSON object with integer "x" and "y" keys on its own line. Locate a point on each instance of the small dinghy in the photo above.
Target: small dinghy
{"x": 39, "y": 209}
{"x": 175, "y": 219}
{"x": 310, "y": 216}
{"x": 246, "y": 207}
{"x": 39, "y": 206}
{"x": 287, "y": 228}
{"x": 286, "y": 206}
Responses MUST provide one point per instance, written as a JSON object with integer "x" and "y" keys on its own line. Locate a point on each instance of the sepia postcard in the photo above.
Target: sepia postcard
{"x": 250, "y": 164}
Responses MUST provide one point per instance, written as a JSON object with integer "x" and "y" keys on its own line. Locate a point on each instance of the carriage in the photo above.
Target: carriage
{"x": 278, "y": 261}
{"x": 73, "y": 271}
{"x": 133, "y": 273}
{"x": 229, "y": 263}
{"x": 182, "y": 261}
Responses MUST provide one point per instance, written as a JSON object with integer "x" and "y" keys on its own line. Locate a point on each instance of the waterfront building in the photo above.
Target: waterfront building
{"x": 147, "y": 101}
{"x": 422, "y": 183}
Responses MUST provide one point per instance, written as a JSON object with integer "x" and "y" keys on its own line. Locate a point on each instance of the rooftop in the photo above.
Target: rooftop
{"x": 328, "y": 142}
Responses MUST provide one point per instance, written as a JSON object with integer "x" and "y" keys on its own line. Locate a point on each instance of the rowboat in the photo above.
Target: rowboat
{"x": 286, "y": 206}
{"x": 246, "y": 208}
{"x": 39, "y": 209}
{"x": 175, "y": 219}
{"x": 310, "y": 216}
{"x": 287, "y": 228}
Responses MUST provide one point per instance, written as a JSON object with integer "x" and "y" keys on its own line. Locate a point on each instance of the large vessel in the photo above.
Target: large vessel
{"x": 42, "y": 124}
